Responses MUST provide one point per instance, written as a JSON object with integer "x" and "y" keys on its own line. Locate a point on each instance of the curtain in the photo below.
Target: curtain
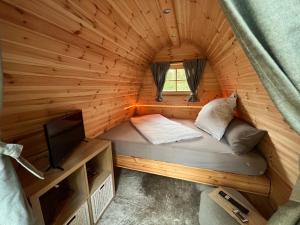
{"x": 269, "y": 32}
{"x": 159, "y": 71}
{"x": 193, "y": 71}
{"x": 287, "y": 214}
{"x": 14, "y": 208}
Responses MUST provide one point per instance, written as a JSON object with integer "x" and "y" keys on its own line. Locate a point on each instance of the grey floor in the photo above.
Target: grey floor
{"x": 146, "y": 199}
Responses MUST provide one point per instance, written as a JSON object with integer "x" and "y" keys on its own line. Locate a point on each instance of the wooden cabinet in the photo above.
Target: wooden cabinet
{"x": 80, "y": 193}
{"x": 80, "y": 217}
{"x": 101, "y": 198}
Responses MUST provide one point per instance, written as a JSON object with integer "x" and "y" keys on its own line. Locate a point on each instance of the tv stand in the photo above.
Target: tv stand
{"x": 79, "y": 192}
{"x": 57, "y": 167}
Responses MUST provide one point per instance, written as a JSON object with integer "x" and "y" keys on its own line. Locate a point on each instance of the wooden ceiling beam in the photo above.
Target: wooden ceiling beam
{"x": 168, "y": 12}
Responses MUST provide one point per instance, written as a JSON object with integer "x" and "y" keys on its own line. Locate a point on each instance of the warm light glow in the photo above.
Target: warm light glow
{"x": 166, "y": 106}
{"x": 129, "y": 107}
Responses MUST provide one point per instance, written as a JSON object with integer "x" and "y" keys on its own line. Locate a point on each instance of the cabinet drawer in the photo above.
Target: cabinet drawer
{"x": 101, "y": 198}
{"x": 81, "y": 217}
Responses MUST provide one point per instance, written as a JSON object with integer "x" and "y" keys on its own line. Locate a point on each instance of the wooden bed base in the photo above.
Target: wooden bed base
{"x": 252, "y": 184}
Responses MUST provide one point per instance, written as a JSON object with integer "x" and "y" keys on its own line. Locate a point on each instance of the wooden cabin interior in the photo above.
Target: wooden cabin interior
{"x": 59, "y": 56}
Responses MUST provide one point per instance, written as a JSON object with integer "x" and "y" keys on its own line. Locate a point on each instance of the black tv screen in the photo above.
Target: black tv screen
{"x": 63, "y": 135}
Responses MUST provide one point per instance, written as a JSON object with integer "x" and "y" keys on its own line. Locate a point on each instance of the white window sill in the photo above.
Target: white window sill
{"x": 176, "y": 93}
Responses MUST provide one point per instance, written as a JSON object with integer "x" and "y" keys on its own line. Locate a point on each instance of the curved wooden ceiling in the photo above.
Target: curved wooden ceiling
{"x": 194, "y": 21}
{"x": 134, "y": 29}
{"x": 140, "y": 28}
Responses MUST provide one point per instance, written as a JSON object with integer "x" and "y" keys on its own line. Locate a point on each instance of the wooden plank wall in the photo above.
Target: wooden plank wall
{"x": 94, "y": 55}
{"x": 175, "y": 105}
{"x": 55, "y": 61}
{"x": 282, "y": 145}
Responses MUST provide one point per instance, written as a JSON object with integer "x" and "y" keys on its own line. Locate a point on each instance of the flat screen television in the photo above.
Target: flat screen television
{"x": 63, "y": 135}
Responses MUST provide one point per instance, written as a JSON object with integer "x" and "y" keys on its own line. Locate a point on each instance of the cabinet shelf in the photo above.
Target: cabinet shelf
{"x": 55, "y": 199}
{"x": 70, "y": 206}
{"x": 98, "y": 169}
{"x": 98, "y": 180}
{"x": 58, "y": 203}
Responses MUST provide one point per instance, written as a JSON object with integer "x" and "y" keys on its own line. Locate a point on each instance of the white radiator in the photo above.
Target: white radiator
{"x": 81, "y": 217}
{"x": 101, "y": 198}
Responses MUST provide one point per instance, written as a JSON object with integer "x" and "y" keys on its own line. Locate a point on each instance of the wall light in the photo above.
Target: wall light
{"x": 167, "y": 11}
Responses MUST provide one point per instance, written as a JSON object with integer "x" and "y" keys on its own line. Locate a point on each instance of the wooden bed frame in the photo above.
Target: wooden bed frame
{"x": 252, "y": 184}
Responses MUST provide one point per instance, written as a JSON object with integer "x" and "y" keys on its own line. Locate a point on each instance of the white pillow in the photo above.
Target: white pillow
{"x": 216, "y": 115}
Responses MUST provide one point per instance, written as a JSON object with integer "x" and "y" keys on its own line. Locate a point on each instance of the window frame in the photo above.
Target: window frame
{"x": 176, "y": 66}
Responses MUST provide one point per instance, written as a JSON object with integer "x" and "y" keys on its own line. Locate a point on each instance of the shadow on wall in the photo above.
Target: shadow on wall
{"x": 268, "y": 149}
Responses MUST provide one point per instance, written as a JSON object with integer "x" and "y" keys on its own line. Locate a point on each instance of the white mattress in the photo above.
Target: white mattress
{"x": 204, "y": 152}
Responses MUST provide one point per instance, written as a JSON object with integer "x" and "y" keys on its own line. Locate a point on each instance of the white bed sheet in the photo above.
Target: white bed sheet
{"x": 158, "y": 129}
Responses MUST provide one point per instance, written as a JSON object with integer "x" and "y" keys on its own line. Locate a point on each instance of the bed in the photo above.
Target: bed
{"x": 203, "y": 159}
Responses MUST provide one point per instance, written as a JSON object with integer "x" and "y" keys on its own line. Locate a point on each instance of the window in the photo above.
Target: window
{"x": 176, "y": 79}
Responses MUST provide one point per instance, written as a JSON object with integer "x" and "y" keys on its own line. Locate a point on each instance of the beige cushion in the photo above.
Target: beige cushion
{"x": 216, "y": 115}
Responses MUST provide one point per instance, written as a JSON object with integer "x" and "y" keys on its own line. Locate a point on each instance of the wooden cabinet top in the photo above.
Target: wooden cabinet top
{"x": 79, "y": 156}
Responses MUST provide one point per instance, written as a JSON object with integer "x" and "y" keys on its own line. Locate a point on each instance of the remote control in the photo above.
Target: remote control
{"x": 241, "y": 216}
{"x": 234, "y": 203}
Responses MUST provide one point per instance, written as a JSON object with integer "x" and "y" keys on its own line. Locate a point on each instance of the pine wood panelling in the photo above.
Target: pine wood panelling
{"x": 208, "y": 88}
{"x": 145, "y": 17}
{"x": 94, "y": 55}
{"x": 185, "y": 51}
{"x": 197, "y": 20}
{"x": 51, "y": 68}
{"x": 252, "y": 184}
{"x": 170, "y": 111}
{"x": 64, "y": 55}
{"x": 170, "y": 20}
{"x": 65, "y": 15}
{"x": 281, "y": 147}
